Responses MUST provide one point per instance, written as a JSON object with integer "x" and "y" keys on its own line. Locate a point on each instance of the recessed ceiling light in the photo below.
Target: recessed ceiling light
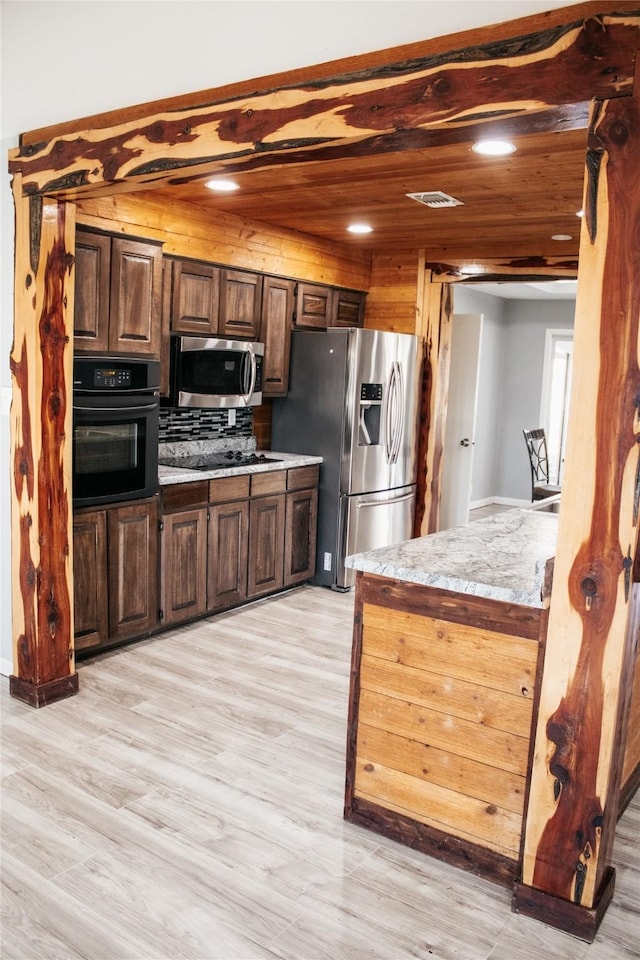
{"x": 359, "y": 228}
{"x": 562, "y": 236}
{"x": 493, "y": 148}
{"x": 222, "y": 186}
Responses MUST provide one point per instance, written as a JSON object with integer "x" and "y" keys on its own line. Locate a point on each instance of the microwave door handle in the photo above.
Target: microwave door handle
{"x": 250, "y": 358}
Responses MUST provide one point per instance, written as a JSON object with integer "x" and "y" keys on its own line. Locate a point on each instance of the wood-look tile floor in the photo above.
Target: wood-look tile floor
{"x": 188, "y": 804}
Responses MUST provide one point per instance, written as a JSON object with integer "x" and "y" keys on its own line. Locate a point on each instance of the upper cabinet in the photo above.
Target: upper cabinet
{"x": 213, "y": 301}
{"x": 348, "y": 308}
{"x": 195, "y": 300}
{"x": 319, "y": 307}
{"x": 117, "y": 295}
{"x": 240, "y": 304}
{"x": 275, "y": 333}
{"x": 314, "y": 306}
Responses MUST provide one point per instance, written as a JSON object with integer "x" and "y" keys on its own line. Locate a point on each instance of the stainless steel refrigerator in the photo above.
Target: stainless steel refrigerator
{"x": 353, "y": 400}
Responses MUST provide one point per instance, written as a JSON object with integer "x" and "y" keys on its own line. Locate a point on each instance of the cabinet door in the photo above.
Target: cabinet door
{"x": 91, "y": 301}
{"x": 133, "y": 569}
{"x": 314, "y": 306}
{"x": 184, "y": 565}
{"x": 135, "y": 302}
{"x": 275, "y": 333}
{"x": 240, "y": 304}
{"x": 300, "y": 536}
{"x": 90, "y": 604}
{"x": 348, "y": 308}
{"x": 266, "y": 544}
{"x": 227, "y": 554}
{"x": 196, "y": 297}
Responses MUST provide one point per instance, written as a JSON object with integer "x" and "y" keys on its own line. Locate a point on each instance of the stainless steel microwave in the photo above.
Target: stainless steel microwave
{"x": 211, "y": 372}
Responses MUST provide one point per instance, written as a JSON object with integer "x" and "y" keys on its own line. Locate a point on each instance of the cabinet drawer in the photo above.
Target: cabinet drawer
{"x": 265, "y": 483}
{"x": 229, "y": 488}
{"x": 177, "y": 496}
{"x": 300, "y": 478}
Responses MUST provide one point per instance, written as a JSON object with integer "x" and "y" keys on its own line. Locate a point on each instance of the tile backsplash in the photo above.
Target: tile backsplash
{"x": 179, "y": 424}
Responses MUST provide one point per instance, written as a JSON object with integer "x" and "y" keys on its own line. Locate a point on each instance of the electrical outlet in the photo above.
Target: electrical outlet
{"x": 232, "y": 418}
{"x": 327, "y": 561}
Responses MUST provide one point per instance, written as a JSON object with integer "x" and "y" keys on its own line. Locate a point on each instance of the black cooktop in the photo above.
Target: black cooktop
{"x": 217, "y": 461}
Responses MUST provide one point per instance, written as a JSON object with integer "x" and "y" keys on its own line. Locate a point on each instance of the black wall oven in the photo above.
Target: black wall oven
{"x": 115, "y": 429}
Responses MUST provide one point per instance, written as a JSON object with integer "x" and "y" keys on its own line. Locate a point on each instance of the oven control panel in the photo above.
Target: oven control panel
{"x": 115, "y": 374}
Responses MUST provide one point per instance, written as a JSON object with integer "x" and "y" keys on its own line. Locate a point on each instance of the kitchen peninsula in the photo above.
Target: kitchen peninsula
{"x": 449, "y": 635}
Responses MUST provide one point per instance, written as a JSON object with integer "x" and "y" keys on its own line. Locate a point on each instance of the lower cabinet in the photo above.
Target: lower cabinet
{"x": 242, "y": 538}
{"x": 184, "y": 571}
{"x": 115, "y": 573}
{"x": 227, "y": 554}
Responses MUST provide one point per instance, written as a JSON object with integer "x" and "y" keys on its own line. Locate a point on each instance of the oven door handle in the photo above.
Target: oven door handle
{"x": 145, "y": 406}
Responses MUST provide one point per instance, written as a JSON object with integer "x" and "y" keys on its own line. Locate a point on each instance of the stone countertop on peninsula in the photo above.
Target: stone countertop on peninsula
{"x": 284, "y": 461}
{"x": 501, "y": 557}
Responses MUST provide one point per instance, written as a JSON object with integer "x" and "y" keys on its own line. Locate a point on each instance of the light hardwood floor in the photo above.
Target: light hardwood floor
{"x": 188, "y": 804}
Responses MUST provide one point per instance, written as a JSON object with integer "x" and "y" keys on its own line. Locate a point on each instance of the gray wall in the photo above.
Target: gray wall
{"x": 527, "y": 323}
{"x": 63, "y": 60}
{"x": 510, "y": 384}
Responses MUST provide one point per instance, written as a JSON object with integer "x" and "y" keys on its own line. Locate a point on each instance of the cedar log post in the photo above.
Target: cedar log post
{"x": 435, "y": 329}
{"x": 588, "y": 670}
{"x": 41, "y": 367}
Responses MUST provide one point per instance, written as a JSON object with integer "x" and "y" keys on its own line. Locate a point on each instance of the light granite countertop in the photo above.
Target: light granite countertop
{"x": 278, "y": 461}
{"x": 502, "y": 557}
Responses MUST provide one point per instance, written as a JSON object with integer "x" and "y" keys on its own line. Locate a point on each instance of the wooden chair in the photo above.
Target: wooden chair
{"x": 536, "y": 442}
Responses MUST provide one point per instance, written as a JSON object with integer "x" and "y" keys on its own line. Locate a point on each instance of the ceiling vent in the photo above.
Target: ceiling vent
{"x": 435, "y": 199}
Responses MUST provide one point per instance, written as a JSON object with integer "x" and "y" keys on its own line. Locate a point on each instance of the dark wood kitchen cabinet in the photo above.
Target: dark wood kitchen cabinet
{"x": 118, "y": 286}
{"x": 275, "y": 333}
{"x": 183, "y": 563}
{"x": 228, "y": 539}
{"x": 231, "y": 539}
{"x": 184, "y": 545}
{"x": 314, "y": 306}
{"x": 133, "y": 569}
{"x": 195, "y": 297}
{"x": 301, "y": 521}
{"x": 90, "y": 596}
{"x": 115, "y": 573}
{"x": 319, "y": 307}
{"x": 348, "y": 308}
{"x": 266, "y": 532}
{"x": 240, "y": 304}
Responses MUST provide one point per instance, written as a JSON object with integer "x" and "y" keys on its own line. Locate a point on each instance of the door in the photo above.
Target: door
{"x": 381, "y": 411}
{"x": 461, "y": 420}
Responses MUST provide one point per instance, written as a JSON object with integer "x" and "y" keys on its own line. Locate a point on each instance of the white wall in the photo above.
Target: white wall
{"x": 65, "y": 60}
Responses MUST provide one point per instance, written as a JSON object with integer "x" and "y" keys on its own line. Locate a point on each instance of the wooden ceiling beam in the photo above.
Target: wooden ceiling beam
{"x": 367, "y": 111}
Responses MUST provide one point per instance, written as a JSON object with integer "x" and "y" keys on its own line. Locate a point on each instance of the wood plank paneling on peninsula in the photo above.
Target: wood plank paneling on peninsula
{"x": 444, "y": 689}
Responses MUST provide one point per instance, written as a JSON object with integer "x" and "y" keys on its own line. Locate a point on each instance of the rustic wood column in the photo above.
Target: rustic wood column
{"x": 41, "y": 366}
{"x": 586, "y": 686}
{"x": 434, "y": 325}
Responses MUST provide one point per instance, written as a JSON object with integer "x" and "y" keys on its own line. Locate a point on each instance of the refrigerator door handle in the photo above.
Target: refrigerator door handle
{"x": 389, "y": 419}
{"x": 399, "y": 406}
{"x": 385, "y": 503}
{"x": 394, "y": 420}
